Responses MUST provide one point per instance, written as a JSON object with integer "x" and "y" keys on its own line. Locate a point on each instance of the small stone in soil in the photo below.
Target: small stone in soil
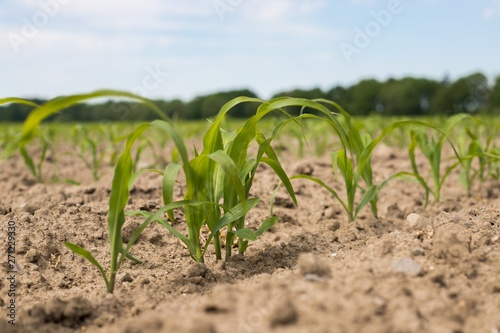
{"x": 32, "y": 256}
{"x": 418, "y": 251}
{"x": 126, "y": 278}
{"x": 330, "y": 213}
{"x": 85, "y": 209}
{"x": 416, "y": 221}
{"x": 334, "y": 226}
{"x": 89, "y": 190}
{"x": 30, "y": 208}
{"x": 407, "y": 266}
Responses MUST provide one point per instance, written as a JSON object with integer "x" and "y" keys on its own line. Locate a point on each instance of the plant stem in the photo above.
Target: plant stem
{"x": 217, "y": 245}
{"x": 111, "y": 284}
{"x": 229, "y": 240}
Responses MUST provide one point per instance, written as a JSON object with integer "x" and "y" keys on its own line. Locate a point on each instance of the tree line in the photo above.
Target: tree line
{"x": 394, "y": 97}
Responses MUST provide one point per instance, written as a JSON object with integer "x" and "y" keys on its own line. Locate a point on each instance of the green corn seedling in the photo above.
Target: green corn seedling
{"x": 494, "y": 163}
{"x": 36, "y": 168}
{"x": 42, "y": 112}
{"x": 353, "y": 160}
{"x": 88, "y": 144}
{"x": 121, "y": 180}
{"x": 14, "y": 144}
{"x": 432, "y": 150}
{"x": 220, "y": 177}
{"x": 470, "y": 148}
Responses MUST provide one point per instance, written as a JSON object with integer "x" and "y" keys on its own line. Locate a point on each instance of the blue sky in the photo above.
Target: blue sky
{"x": 173, "y": 48}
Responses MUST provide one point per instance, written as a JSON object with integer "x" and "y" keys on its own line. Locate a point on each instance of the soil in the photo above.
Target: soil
{"x": 313, "y": 272}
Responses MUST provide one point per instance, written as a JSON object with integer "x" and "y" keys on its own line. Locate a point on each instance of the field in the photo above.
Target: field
{"x": 345, "y": 258}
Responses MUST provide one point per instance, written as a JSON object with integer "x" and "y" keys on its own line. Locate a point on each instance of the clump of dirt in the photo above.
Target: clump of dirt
{"x": 312, "y": 272}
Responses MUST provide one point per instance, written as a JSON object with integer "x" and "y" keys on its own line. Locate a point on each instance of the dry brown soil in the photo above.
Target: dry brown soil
{"x": 312, "y": 273}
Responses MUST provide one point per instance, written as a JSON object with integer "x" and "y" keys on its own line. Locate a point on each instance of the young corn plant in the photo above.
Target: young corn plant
{"x": 112, "y": 136}
{"x": 35, "y": 167}
{"x": 121, "y": 181}
{"x": 13, "y": 145}
{"x": 8, "y": 132}
{"x": 432, "y": 148}
{"x": 470, "y": 148}
{"x": 144, "y": 145}
{"x": 42, "y": 112}
{"x": 353, "y": 160}
{"x": 492, "y": 151}
{"x": 219, "y": 180}
{"x": 89, "y": 145}
{"x": 494, "y": 163}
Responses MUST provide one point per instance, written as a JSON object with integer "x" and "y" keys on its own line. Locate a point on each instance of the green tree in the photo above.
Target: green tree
{"x": 364, "y": 97}
{"x": 337, "y": 94}
{"x": 407, "y": 96}
{"x": 495, "y": 95}
{"x": 467, "y": 94}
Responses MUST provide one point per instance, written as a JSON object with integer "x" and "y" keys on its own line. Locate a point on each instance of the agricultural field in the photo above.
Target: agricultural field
{"x": 312, "y": 223}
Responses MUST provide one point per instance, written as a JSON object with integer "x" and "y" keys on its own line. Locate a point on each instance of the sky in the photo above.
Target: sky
{"x": 183, "y": 48}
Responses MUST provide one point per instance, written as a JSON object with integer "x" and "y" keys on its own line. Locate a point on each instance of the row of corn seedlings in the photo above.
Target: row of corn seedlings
{"x": 219, "y": 176}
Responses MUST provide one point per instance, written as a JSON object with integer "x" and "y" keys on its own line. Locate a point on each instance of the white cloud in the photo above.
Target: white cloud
{"x": 117, "y": 13}
{"x": 312, "y": 6}
{"x": 280, "y": 10}
{"x": 492, "y": 10}
{"x": 148, "y": 9}
{"x": 370, "y": 3}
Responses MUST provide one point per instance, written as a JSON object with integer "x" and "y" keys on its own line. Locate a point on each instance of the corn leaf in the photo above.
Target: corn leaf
{"x": 55, "y": 105}
{"x": 246, "y": 234}
{"x": 16, "y": 100}
{"x": 368, "y": 196}
{"x": 168, "y": 184}
{"x": 87, "y": 255}
{"x": 266, "y": 225}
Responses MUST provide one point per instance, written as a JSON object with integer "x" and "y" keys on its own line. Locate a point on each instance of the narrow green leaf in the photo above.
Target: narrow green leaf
{"x": 168, "y": 186}
{"x": 278, "y": 169}
{"x": 16, "y": 100}
{"x": 87, "y": 255}
{"x": 28, "y": 161}
{"x": 236, "y": 213}
{"x": 55, "y": 105}
{"x": 227, "y": 164}
{"x": 368, "y": 196}
{"x": 246, "y": 234}
{"x": 150, "y": 217}
{"x": 266, "y": 225}
{"x": 328, "y": 188}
